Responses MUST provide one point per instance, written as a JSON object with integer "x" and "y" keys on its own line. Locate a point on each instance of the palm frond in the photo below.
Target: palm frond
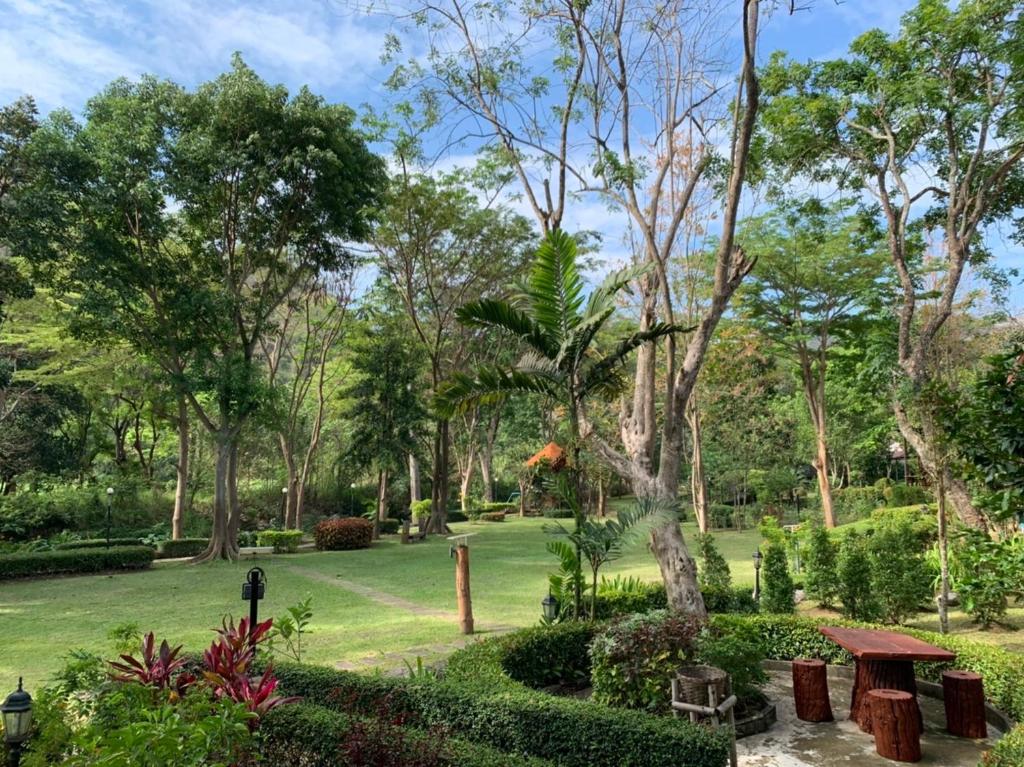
{"x": 555, "y": 288}
{"x": 603, "y": 296}
{"x": 489, "y": 385}
{"x": 501, "y": 315}
{"x": 597, "y": 374}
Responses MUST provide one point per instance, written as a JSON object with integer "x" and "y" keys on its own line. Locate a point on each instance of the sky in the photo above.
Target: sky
{"x": 64, "y": 51}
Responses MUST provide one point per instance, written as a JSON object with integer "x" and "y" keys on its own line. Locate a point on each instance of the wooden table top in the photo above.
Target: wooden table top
{"x": 874, "y": 644}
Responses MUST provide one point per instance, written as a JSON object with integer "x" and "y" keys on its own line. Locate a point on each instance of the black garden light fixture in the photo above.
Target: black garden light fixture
{"x": 110, "y": 504}
{"x": 757, "y": 574}
{"x": 253, "y": 590}
{"x": 17, "y": 716}
{"x": 549, "y": 605}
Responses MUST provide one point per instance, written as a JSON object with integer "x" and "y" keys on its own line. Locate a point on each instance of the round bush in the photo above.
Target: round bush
{"x": 493, "y": 516}
{"x": 343, "y": 534}
{"x": 633, "y": 660}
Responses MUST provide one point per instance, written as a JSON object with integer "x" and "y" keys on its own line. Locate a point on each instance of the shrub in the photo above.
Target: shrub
{"x": 499, "y": 506}
{"x": 24, "y": 516}
{"x": 921, "y": 519}
{"x": 986, "y": 573}
{"x": 183, "y": 547}
{"x": 390, "y": 526}
{"x": 457, "y": 516}
{"x": 634, "y": 659}
{"x": 557, "y": 513}
{"x": 853, "y": 503}
{"x": 343, "y": 534}
{"x": 738, "y": 655}
{"x": 639, "y": 597}
{"x": 1008, "y": 752}
{"x": 97, "y": 543}
{"x": 283, "y": 541}
{"x": 900, "y": 575}
{"x": 777, "y": 593}
{"x": 714, "y": 572}
{"x": 854, "y": 575}
{"x": 906, "y": 495}
{"x": 819, "y": 563}
{"x": 720, "y": 515}
{"x": 492, "y": 516}
{"x": 739, "y": 599}
{"x": 422, "y": 507}
{"x": 35, "y": 563}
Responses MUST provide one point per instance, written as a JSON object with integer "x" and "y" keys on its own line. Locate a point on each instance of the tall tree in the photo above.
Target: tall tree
{"x": 267, "y": 188}
{"x": 815, "y": 285}
{"x": 18, "y": 121}
{"x": 928, "y": 122}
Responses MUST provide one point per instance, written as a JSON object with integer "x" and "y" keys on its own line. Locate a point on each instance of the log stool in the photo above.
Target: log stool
{"x": 964, "y": 697}
{"x": 894, "y": 719}
{"x": 810, "y": 691}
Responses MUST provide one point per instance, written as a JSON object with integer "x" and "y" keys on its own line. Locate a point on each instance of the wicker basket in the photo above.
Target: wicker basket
{"x": 692, "y": 682}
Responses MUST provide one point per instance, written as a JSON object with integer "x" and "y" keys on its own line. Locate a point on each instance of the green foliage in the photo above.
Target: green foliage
{"x": 986, "y": 573}
{"x": 421, "y": 508}
{"x": 856, "y": 593}
{"x": 97, "y": 543}
{"x": 821, "y": 578}
{"x": 900, "y": 578}
{"x": 634, "y": 659}
{"x": 74, "y": 561}
{"x": 492, "y": 516}
{"x": 283, "y": 541}
{"x": 772, "y": 531}
{"x": 906, "y": 495}
{"x": 392, "y": 526}
{"x": 557, "y": 512}
{"x": 627, "y": 596}
{"x": 453, "y": 515}
{"x": 713, "y": 572}
{"x": 183, "y": 547}
{"x": 777, "y": 589}
{"x": 736, "y": 653}
{"x": 739, "y": 599}
{"x": 1008, "y": 752}
{"x": 286, "y": 633}
{"x": 125, "y": 637}
{"x": 482, "y": 703}
{"x": 853, "y": 503}
{"x": 343, "y": 534}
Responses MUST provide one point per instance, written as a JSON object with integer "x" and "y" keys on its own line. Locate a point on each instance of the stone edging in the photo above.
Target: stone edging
{"x": 993, "y": 715}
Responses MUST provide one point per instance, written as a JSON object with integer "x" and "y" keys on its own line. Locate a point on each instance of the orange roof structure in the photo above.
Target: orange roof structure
{"x": 551, "y": 454}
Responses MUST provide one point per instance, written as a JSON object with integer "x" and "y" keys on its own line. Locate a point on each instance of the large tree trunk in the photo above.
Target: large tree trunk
{"x": 438, "y": 522}
{"x": 221, "y": 545}
{"x": 466, "y": 480}
{"x": 234, "y": 509}
{"x": 698, "y": 481}
{"x": 824, "y": 483}
{"x": 414, "y": 479}
{"x": 181, "y": 487}
{"x": 291, "y": 497}
{"x": 487, "y": 454}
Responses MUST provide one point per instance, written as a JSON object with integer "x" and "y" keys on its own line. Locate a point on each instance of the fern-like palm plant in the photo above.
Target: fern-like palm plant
{"x": 557, "y": 324}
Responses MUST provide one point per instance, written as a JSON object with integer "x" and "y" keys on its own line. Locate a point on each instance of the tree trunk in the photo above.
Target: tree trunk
{"x": 487, "y": 454}
{"x": 414, "y": 479}
{"x": 698, "y": 481}
{"x": 234, "y": 510}
{"x": 943, "y": 559}
{"x": 291, "y": 470}
{"x": 181, "y": 487}
{"x": 466, "y": 480}
{"x": 438, "y": 522}
{"x": 524, "y": 488}
{"x": 824, "y": 484}
{"x": 382, "y": 502}
{"x": 221, "y": 545}
{"x": 602, "y": 497}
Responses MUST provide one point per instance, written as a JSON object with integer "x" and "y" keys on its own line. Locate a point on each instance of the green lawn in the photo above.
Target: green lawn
{"x": 42, "y": 620}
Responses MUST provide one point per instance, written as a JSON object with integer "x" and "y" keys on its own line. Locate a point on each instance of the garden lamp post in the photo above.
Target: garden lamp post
{"x": 549, "y": 605}
{"x": 110, "y": 504}
{"x": 17, "y": 716}
{"x": 757, "y": 574}
{"x": 253, "y": 590}
{"x": 351, "y": 497}
{"x": 284, "y": 507}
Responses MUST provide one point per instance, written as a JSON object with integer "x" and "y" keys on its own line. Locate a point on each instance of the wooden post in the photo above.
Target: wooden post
{"x": 810, "y": 691}
{"x": 894, "y": 716}
{"x": 964, "y": 697}
{"x": 405, "y": 531}
{"x": 462, "y": 588}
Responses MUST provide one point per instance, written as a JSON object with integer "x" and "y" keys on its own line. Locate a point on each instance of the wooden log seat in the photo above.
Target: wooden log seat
{"x": 810, "y": 691}
{"x": 897, "y": 728}
{"x": 964, "y": 698}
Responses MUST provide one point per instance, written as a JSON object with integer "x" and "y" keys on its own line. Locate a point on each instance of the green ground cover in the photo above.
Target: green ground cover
{"x": 41, "y": 620}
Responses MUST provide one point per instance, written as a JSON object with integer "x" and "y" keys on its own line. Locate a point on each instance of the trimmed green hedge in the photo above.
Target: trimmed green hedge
{"x": 652, "y": 597}
{"x": 390, "y": 526}
{"x": 183, "y": 547}
{"x": 1008, "y": 752}
{"x": 314, "y": 736}
{"x": 482, "y": 702}
{"x": 283, "y": 541}
{"x": 98, "y": 543}
{"x": 35, "y": 563}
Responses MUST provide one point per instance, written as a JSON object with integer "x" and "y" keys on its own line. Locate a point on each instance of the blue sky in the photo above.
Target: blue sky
{"x": 64, "y": 51}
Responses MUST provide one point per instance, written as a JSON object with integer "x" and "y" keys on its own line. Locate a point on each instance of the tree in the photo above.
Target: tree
{"x": 557, "y": 325}
{"x": 777, "y": 594}
{"x": 18, "y": 121}
{"x": 268, "y": 189}
{"x": 927, "y": 119}
{"x": 820, "y": 575}
{"x": 386, "y": 409}
{"x": 816, "y": 279}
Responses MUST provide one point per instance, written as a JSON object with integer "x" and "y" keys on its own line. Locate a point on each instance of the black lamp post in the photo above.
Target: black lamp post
{"x": 757, "y": 574}
{"x": 17, "y": 715}
{"x": 253, "y": 590}
{"x": 550, "y": 607}
{"x": 110, "y": 503}
{"x": 352, "y": 499}
{"x": 284, "y": 507}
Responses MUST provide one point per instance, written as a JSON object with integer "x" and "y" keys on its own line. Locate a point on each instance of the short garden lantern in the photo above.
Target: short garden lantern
{"x": 550, "y": 607}
{"x": 253, "y": 590}
{"x": 757, "y": 574}
{"x": 110, "y": 504}
{"x": 17, "y": 714}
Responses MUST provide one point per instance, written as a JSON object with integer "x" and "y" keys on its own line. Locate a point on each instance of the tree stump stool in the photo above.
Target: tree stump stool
{"x": 896, "y": 723}
{"x": 881, "y": 675}
{"x": 810, "y": 691}
{"x": 964, "y": 697}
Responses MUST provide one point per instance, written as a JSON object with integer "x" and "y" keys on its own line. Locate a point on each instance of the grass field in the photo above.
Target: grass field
{"x": 42, "y": 620}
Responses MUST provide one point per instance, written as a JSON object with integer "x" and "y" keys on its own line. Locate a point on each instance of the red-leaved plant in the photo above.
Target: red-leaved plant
{"x": 154, "y": 669}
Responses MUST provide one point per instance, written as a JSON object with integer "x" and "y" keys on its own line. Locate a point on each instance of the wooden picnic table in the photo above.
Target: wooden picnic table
{"x": 882, "y": 660}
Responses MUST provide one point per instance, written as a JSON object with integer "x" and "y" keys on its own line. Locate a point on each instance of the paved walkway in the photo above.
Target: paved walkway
{"x": 395, "y": 663}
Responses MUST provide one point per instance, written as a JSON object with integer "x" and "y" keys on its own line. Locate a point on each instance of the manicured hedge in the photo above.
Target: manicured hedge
{"x": 482, "y": 702}
{"x": 283, "y": 541}
{"x": 183, "y": 547}
{"x": 1008, "y": 752}
{"x": 493, "y": 516}
{"x": 313, "y": 736}
{"x": 35, "y": 563}
{"x": 457, "y": 516}
{"x": 343, "y": 534}
{"x": 556, "y": 513}
{"x": 390, "y": 526}
{"x": 652, "y": 597}
{"x": 97, "y": 543}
